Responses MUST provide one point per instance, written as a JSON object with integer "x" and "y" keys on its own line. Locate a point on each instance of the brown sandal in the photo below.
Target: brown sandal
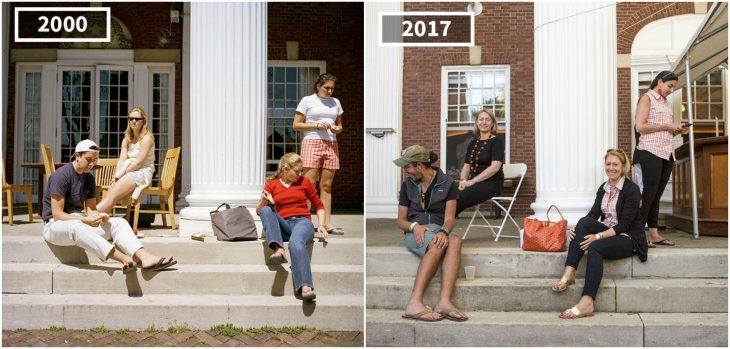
{"x": 419, "y": 316}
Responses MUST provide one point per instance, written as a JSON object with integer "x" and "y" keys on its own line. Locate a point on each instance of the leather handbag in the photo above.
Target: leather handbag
{"x": 233, "y": 224}
{"x": 545, "y": 236}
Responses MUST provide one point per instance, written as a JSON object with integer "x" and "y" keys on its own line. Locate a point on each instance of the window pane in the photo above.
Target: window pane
{"x": 286, "y": 87}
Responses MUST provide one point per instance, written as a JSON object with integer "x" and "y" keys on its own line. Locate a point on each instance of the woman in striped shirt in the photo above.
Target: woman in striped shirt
{"x": 654, "y": 155}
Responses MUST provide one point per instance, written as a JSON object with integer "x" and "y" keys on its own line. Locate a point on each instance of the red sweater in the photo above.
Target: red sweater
{"x": 292, "y": 201}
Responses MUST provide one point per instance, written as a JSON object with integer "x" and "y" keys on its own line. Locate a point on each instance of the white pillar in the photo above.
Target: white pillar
{"x": 575, "y": 103}
{"x": 383, "y": 86}
{"x": 227, "y": 109}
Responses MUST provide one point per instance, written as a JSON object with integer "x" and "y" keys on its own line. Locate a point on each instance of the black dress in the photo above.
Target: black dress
{"x": 479, "y": 155}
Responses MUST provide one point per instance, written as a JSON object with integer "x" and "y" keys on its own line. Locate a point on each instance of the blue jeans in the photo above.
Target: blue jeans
{"x": 298, "y": 231}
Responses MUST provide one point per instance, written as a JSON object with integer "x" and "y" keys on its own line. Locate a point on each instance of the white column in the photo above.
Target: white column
{"x": 227, "y": 109}
{"x": 575, "y": 103}
{"x": 383, "y": 86}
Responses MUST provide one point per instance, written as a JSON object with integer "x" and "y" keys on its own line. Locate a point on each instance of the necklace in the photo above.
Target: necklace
{"x": 473, "y": 165}
{"x": 423, "y": 192}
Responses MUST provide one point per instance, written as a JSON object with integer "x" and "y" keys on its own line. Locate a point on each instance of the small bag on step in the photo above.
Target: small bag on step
{"x": 233, "y": 224}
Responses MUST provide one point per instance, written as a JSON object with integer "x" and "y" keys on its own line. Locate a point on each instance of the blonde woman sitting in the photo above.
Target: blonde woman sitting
{"x": 289, "y": 219}
{"x": 136, "y": 163}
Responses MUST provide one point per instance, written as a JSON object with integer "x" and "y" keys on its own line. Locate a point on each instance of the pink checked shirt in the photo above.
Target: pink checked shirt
{"x": 660, "y": 113}
{"x": 608, "y": 204}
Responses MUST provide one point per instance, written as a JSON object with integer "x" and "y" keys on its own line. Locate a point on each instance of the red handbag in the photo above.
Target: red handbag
{"x": 545, "y": 236}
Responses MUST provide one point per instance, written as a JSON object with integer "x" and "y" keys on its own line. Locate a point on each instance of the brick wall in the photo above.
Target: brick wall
{"x": 504, "y": 30}
{"x": 331, "y": 32}
{"x": 144, "y": 22}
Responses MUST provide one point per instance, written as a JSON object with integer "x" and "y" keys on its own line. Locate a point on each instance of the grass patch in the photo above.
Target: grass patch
{"x": 153, "y": 329}
{"x": 100, "y": 329}
{"x": 227, "y": 330}
{"x": 121, "y": 331}
{"x": 178, "y": 329}
{"x": 57, "y": 328}
{"x": 293, "y": 330}
{"x": 18, "y": 330}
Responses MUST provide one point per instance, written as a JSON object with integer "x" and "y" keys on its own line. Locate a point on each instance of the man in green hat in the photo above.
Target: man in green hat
{"x": 426, "y": 214}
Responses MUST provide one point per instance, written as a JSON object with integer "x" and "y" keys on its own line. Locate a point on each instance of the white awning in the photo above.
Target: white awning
{"x": 708, "y": 47}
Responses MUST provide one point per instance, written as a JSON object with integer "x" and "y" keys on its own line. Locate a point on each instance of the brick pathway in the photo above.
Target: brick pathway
{"x": 190, "y": 338}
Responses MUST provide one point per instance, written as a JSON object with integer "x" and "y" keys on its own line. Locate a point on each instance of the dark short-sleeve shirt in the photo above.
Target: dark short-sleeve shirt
{"x": 484, "y": 152}
{"x": 434, "y": 209}
{"x": 75, "y": 189}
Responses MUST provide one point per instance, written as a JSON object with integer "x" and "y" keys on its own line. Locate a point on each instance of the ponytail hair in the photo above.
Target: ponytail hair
{"x": 286, "y": 163}
{"x": 665, "y": 75}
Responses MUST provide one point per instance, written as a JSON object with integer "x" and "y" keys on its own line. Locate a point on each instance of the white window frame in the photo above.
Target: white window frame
{"x": 19, "y": 141}
{"x": 162, "y": 69}
{"x": 91, "y": 60}
{"x": 97, "y": 91}
{"x": 322, "y": 65}
{"x": 445, "y": 70}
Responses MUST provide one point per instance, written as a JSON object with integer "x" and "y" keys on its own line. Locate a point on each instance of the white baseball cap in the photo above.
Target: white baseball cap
{"x": 86, "y": 145}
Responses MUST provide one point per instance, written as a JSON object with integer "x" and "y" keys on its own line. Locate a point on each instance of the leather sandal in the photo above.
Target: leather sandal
{"x": 562, "y": 285}
{"x": 420, "y": 315}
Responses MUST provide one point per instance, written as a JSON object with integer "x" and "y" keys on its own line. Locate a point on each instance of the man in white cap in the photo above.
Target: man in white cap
{"x": 69, "y": 189}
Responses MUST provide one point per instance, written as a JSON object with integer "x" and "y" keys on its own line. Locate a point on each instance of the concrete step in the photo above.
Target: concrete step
{"x": 528, "y": 294}
{"x": 27, "y": 249}
{"x": 513, "y": 262}
{"x": 220, "y": 279}
{"x": 84, "y": 311}
{"x": 546, "y": 329}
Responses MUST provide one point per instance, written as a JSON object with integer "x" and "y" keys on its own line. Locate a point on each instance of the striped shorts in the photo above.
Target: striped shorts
{"x": 319, "y": 153}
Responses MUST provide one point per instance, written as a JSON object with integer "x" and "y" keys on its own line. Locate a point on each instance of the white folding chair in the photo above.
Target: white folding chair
{"x": 513, "y": 172}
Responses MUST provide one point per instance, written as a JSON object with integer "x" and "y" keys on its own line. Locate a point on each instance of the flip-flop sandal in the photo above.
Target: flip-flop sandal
{"x": 563, "y": 281}
{"x": 664, "y": 242}
{"x": 650, "y": 244}
{"x": 276, "y": 258}
{"x": 310, "y": 296}
{"x": 161, "y": 265}
{"x": 127, "y": 268}
{"x": 335, "y": 231}
{"x": 446, "y": 313}
{"x": 419, "y": 316}
{"x": 573, "y": 313}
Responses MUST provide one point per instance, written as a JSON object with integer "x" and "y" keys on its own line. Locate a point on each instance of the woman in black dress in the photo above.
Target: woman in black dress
{"x": 481, "y": 176}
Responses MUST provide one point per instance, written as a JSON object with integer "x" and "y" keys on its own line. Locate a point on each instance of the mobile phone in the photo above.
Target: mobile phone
{"x": 686, "y": 125}
{"x": 268, "y": 197}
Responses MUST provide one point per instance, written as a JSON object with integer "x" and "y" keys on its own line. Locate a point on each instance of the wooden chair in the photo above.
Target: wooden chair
{"x": 166, "y": 190}
{"x": 48, "y": 162}
{"x": 104, "y": 177}
{"x": 9, "y": 189}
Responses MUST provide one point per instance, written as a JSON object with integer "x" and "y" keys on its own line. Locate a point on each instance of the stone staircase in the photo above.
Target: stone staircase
{"x": 677, "y": 298}
{"x": 213, "y": 283}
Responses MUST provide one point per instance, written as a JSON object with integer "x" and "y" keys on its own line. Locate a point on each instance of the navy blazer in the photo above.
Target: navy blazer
{"x": 629, "y": 216}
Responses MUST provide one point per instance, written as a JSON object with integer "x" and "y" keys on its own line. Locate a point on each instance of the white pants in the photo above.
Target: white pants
{"x": 93, "y": 239}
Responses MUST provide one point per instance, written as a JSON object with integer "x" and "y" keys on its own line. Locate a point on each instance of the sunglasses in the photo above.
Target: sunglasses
{"x": 135, "y": 119}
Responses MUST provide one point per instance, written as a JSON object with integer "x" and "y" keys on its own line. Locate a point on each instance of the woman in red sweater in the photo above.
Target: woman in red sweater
{"x": 290, "y": 220}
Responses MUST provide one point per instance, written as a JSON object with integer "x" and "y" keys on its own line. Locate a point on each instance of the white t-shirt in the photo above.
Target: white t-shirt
{"x": 319, "y": 111}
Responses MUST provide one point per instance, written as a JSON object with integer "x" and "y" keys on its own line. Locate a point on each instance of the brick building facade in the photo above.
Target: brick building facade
{"x": 505, "y": 32}
{"x": 326, "y": 32}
